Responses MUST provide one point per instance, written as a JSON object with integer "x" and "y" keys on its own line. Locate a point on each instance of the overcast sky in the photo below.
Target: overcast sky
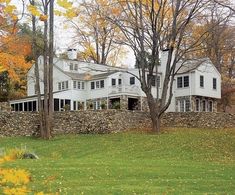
{"x": 64, "y": 36}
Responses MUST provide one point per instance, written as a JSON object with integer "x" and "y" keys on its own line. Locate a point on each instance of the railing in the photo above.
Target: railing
{"x": 120, "y": 89}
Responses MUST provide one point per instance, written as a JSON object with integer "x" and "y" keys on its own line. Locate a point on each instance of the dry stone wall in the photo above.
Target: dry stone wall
{"x": 73, "y": 122}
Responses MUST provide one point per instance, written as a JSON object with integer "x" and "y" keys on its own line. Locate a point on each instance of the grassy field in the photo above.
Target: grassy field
{"x": 178, "y": 161}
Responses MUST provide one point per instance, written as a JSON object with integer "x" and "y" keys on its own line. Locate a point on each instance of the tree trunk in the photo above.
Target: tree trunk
{"x": 153, "y": 113}
{"x": 51, "y": 55}
{"x": 36, "y": 72}
{"x": 46, "y": 129}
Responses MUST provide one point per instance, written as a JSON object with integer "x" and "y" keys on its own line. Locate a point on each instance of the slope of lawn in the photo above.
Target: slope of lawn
{"x": 178, "y": 161}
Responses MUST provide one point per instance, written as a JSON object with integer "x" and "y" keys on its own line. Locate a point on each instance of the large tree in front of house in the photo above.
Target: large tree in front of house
{"x": 150, "y": 26}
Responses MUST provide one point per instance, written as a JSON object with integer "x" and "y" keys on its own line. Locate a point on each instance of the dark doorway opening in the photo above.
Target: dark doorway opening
{"x": 115, "y": 103}
{"x": 132, "y": 104}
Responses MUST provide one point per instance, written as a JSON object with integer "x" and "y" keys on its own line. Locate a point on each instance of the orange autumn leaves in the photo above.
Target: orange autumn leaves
{"x": 12, "y": 55}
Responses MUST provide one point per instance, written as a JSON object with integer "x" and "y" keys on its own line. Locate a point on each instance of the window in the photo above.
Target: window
{"x": 210, "y": 106}
{"x": 158, "y": 81}
{"x": 187, "y": 105}
{"x": 76, "y": 67}
{"x": 179, "y": 82}
{"x": 119, "y": 81}
{"x": 132, "y": 80}
{"x": 98, "y": 105}
{"x": 66, "y": 84}
{"x": 214, "y": 83}
{"x": 154, "y": 80}
{"x": 204, "y": 105}
{"x": 182, "y": 81}
{"x": 186, "y": 81}
{"x": 113, "y": 82}
{"x": 197, "y": 105}
{"x": 79, "y": 85}
{"x": 97, "y": 84}
{"x": 92, "y": 85}
{"x": 201, "y": 81}
{"x": 83, "y": 85}
{"x": 184, "y": 105}
{"x": 75, "y": 84}
{"x": 71, "y": 66}
{"x": 102, "y": 84}
{"x": 181, "y": 102}
{"x": 63, "y": 85}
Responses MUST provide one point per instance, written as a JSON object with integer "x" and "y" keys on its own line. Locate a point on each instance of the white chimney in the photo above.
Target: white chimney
{"x": 72, "y": 54}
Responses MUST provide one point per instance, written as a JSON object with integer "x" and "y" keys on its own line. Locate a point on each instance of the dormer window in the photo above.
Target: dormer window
{"x": 71, "y": 66}
{"x": 76, "y": 67}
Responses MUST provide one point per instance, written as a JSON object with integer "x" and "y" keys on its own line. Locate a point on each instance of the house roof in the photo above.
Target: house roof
{"x": 191, "y": 65}
{"x": 87, "y": 76}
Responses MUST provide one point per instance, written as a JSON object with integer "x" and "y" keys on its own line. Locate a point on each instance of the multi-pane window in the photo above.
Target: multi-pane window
{"x": 92, "y": 85}
{"x": 181, "y": 105}
{"x": 66, "y": 84}
{"x": 102, "y": 84}
{"x": 210, "y": 106}
{"x": 76, "y": 67}
{"x": 186, "y": 81}
{"x": 182, "y": 81}
{"x": 204, "y": 105}
{"x": 187, "y": 105}
{"x": 153, "y": 83}
{"x": 214, "y": 83}
{"x": 119, "y": 81}
{"x": 79, "y": 85}
{"x": 97, "y": 84}
{"x": 63, "y": 85}
{"x": 113, "y": 82}
{"x": 179, "y": 82}
{"x": 132, "y": 80}
{"x": 201, "y": 81}
{"x": 71, "y": 66}
{"x": 184, "y": 105}
{"x": 59, "y": 86}
{"x": 74, "y": 84}
{"x": 197, "y": 105}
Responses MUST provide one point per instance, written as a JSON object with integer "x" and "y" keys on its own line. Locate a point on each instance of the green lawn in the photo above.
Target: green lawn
{"x": 178, "y": 161}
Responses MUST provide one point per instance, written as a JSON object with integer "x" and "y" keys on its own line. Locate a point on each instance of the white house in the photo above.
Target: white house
{"x": 80, "y": 85}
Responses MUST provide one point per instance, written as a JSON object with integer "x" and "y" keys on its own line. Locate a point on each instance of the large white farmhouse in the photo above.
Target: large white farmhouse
{"x": 80, "y": 85}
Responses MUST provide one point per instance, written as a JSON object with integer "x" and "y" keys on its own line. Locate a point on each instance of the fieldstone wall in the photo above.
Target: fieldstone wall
{"x": 105, "y": 121}
{"x": 5, "y": 107}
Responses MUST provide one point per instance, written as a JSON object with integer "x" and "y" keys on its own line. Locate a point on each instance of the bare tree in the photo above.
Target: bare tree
{"x": 96, "y": 36}
{"x": 35, "y": 55}
{"x": 150, "y": 26}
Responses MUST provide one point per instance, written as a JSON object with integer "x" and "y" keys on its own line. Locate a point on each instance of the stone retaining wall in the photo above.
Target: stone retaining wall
{"x": 26, "y": 123}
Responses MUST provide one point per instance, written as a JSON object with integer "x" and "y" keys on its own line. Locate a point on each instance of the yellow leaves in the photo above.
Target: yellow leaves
{"x": 2, "y": 69}
{"x": 14, "y": 176}
{"x": 33, "y": 10}
{"x": 70, "y": 13}
{"x": 65, "y": 4}
{"x": 9, "y": 9}
{"x": 16, "y": 191}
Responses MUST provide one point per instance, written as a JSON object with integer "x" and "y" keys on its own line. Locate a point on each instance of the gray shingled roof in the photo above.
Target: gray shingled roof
{"x": 190, "y": 65}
